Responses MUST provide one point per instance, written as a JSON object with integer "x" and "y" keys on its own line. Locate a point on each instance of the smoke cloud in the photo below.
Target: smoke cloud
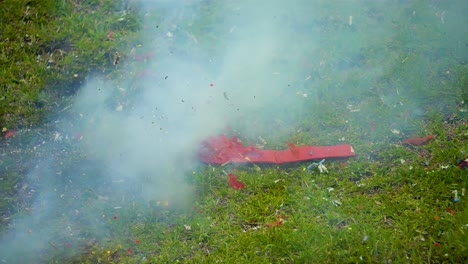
{"x": 202, "y": 68}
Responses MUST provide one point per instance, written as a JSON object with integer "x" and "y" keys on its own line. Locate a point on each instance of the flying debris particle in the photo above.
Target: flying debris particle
{"x": 211, "y": 84}
{"x": 225, "y": 96}
{"x": 320, "y": 166}
{"x": 165, "y": 78}
{"x": 116, "y": 58}
{"x": 192, "y": 37}
{"x": 163, "y": 203}
{"x": 364, "y": 239}
{"x": 114, "y": 217}
{"x": 336, "y": 202}
{"x": 456, "y": 199}
{"x": 169, "y": 34}
{"x": 57, "y": 136}
{"x": 350, "y": 20}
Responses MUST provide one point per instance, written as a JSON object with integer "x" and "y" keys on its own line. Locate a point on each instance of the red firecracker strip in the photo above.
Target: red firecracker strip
{"x": 418, "y": 140}
{"x": 222, "y": 149}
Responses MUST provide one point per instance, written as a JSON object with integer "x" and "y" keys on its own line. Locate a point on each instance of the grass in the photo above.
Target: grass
{"x": 54, "y": 44}
{"x": 386, "y": 212}
{"x": 391, "y": 203}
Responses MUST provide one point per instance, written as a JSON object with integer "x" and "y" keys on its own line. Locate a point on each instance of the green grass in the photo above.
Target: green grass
{"x": 390, "y": 203}
{"x": 403, "y": 212}
{"x": 48, "y": 48}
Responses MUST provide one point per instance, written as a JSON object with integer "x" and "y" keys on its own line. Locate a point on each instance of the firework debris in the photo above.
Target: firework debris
{"x": 418, "y": 141}
{"x": 234, "y": 182}
{"x": 9, "y": 133}
{"x": 222, "y": 149}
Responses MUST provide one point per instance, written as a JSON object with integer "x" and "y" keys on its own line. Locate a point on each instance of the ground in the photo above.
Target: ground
{"x": 393, "y": 202}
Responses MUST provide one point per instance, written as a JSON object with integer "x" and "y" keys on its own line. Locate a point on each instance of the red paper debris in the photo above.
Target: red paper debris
{"x": 68, "y": 244}
{"x": 211, "y": 84}
{"x": 222, "y": 149}
{"x": 234, "y": 182}
{"x": 436, "y": 244}
{"x": 9, "y": 133}
{"x": 115, "y": 217}
{"x": 418, "y": 140}
{"x": 137, "y": 241}
{"x": 111, "y": 34}
{"x": 462, "y": 164}
{"x": 278, "y": 222}
{"x": 129, "y": 251}
{"x": 450, "y": 211}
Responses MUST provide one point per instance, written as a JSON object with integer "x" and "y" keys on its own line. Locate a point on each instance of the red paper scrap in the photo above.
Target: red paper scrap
{"x": 463, "y": 163}
{"x": 234, "y": 182}
{"x": 278, "y": 222}
{"x": 9, "y": 133}
{"x": 418, "y": 140}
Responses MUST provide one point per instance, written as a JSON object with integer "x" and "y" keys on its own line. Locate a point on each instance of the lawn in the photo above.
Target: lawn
{"x": 104, "y": 104}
